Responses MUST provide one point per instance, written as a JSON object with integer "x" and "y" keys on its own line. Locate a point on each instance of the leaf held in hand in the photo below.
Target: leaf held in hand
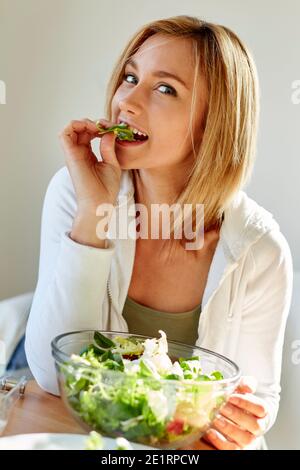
{"x": 121, "y": 130}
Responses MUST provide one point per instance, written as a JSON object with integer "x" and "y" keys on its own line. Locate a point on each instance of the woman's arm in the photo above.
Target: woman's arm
{"x": 259, "y": 353}
{"x": 71, "y": 284}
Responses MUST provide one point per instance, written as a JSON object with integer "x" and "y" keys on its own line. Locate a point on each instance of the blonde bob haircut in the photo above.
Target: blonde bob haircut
{"x": 223, "y": 161}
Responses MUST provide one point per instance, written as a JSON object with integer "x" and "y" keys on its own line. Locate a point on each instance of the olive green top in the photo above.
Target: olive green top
{"x": 144, "y": 320}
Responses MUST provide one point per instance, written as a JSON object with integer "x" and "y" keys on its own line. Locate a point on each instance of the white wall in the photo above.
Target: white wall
{"x": 55, "y": 60}
{"x": 285, "y": 433}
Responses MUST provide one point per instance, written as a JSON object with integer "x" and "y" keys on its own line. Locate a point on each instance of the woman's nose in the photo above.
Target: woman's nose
{"x": 128, "y": 106}
{"x": 132, "y": 99}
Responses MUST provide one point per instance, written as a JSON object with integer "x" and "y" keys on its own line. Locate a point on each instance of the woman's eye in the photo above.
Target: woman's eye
{"x": 127, "y": 75}
{"x": 172, "y": 91}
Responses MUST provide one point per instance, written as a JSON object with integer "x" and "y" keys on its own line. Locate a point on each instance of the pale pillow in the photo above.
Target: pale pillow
{"x": 14, "y": 314}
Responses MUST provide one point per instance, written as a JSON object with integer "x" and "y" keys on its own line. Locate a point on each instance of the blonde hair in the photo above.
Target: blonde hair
{"x": 224, "y": 159}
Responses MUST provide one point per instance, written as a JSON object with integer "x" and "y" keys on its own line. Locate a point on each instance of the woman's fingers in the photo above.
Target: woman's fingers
{"x": 107, "y": 149}
{"x": 68, "y": 138}
{"x": 250, "y": 403}
{"x": 219, "y": 441}
{"x": 246, "y": 420}
{"x": 85, "y": 128}
{"x": 241, "y": 420}
{"x": 84, "y": 138}
{"x": 80, "y": 132}
{"x": 84, "y": 125}
{"x": 76, "y": 140}
{"x": 233, "y": 431}
{"x": 107, "y": 141}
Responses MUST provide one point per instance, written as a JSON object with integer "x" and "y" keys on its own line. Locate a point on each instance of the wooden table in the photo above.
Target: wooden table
{"x": 39, "y": 412}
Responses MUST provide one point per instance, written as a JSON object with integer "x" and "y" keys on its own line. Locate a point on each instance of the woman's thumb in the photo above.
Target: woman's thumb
{"x": 247, "y": 384}
{"x": 107, "y": 148}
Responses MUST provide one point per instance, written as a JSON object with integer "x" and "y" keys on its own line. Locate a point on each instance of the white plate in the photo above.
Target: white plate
{"x": 55, "y": 442}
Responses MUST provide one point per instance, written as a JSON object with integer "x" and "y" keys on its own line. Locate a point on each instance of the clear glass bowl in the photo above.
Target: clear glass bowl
{"x": 120, "y": 405}
{"x": 11, "y": 389}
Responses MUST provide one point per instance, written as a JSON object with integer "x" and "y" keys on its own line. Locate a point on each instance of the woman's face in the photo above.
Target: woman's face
{"x": 160, "y": 105}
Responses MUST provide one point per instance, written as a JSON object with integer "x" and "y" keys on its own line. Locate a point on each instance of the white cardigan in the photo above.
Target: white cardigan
{"x": 244, "y": 308}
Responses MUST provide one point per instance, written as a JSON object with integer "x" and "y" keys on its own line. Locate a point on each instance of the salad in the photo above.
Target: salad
{"x": 129, "y": 387}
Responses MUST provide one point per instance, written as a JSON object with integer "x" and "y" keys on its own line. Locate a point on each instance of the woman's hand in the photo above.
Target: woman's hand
{"x": 95, "y": 182}
{"x": 240, "y": 421}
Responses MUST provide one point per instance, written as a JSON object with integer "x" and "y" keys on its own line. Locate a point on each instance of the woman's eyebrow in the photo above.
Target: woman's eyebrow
{"x": 158, "y": 73}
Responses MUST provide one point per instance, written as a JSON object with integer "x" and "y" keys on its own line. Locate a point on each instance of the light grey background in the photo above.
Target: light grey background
{"x": 56, "y": 58}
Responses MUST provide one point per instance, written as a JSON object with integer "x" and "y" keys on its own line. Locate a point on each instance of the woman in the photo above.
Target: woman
{"x": 191, "y": 86}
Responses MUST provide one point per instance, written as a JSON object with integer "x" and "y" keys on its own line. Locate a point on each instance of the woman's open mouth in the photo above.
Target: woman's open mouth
{"x": 133, "y": 143}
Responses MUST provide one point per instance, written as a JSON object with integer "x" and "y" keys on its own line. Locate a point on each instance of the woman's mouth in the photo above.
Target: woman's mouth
{"x": 127, "y": 143}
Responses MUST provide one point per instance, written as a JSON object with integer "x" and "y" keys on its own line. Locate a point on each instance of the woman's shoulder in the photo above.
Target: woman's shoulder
{"x": 270, "y": 248}
{"x": 247, "y": 224}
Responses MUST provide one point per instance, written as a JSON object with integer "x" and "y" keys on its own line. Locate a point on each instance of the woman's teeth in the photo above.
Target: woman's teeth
{"x": 135, "y": 131}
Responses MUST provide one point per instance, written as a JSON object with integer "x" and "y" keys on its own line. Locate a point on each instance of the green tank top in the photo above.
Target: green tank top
{"x": 144, "y": 320}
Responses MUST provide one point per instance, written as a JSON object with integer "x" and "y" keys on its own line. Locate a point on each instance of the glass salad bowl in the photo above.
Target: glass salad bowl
{"x": 148, "y": 390}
